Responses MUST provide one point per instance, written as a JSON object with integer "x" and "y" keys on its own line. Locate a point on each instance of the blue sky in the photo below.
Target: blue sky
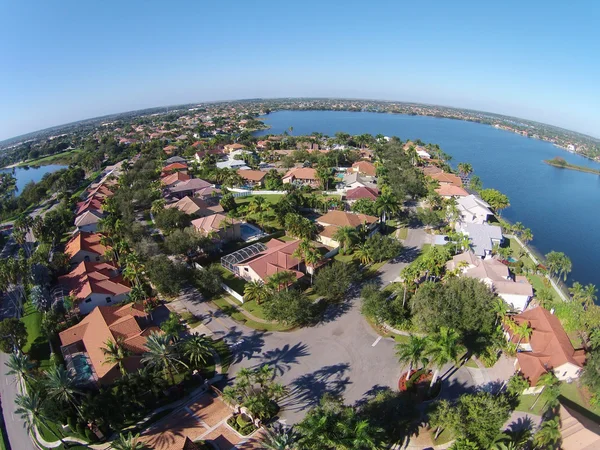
{"x": 68, "y": 60}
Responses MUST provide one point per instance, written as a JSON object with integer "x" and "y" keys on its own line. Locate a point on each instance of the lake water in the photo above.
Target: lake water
{"x": 35, "y": 174}
{"x": 560, "y": 206}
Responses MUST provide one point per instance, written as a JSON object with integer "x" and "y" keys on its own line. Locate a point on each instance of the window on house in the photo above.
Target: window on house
{"x": 97, "y": 258}
{"x": 108, "y": 300}
{"x": 86, "y": 258}
{"x": 87, "y": 300}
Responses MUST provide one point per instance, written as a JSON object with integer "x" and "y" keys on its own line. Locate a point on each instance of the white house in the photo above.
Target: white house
{"x": 88, "y": 221}
{"x": 483, "y": 237}
{"x": 473, "y": 210}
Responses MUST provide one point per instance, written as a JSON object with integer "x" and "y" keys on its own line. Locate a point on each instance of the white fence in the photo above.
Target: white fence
{"x": 247, "y": 192}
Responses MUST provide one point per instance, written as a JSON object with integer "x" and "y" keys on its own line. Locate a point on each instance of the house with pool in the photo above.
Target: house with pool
{"x": 82, "y": 345}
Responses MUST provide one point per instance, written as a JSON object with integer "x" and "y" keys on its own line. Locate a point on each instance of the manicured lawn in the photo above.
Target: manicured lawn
{"x": 517, "y": 249}
{"x": 238, "y": 316}
{"x": 444, "y": 437}
{"x": 235, "y": 283}
{"x": 271, "y": 199}
{"x": 37, "y": 346}
{"x": 472, "y": 364}
{"x": 572, "y": 396}
{"x": 537, "y": 281}
{"x": 254, "y": 308}
{"x": 286, "y": 238}
{"x": 526, "y": 401}
{"x": 64, "y": 157}
{"x": 344, "y": 258}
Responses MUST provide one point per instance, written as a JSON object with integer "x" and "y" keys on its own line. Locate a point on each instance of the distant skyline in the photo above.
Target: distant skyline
{"x": 68, "y": 61}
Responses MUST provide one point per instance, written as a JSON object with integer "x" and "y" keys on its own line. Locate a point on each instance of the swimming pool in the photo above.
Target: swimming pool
{"x": 82, "y": 367}
{"x": 249, "y": 231}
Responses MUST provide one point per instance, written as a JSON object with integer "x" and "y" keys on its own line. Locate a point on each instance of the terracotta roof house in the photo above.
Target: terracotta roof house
{"x": 274, "y": 256}
{"x": 101, "y": 191}
{"x": 262, "y": 144}
{"x": 364, "y": 167}
{"x": 85, "y": 247}
{"x": 225, "y": 228}
{"x": 173, "y": 168}
{"x": 233, "y": 147}
{"x": 174, "y": 179}
{"x": 189, "y": 187}
{"x": 82, "y": 344}
{"x": 88, "y": 221}
{"x": 548, "y": 349}
{"x": 334, "y": 220}
{"x": 447, "y": 178}
{"x": 450, "y": 190}
{"x": 91, "y": 204}
{"x": 252, "y": 177}
{"x": 169, "y": 149}
{"x": 200, "y": 155}
{"x": 304, "y": 175}
{"x": 195, "y": 207}
{"x": 515, "y": 291}
{"x": 361, "y": 192}
{"x": 431, "y": 170}
{"x": 95, "y": 284}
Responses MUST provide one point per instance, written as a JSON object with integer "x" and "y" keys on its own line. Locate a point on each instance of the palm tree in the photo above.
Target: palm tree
{"x": 311, "y": 259}
{"x": 20, "y": 366}
{"x": 465, "y": 169}
{"x": 157, "y": 206}
{"x": 526, "y": 236}
{"x": 548, "y": 435}
{"x": 258, "y": 205}
{"x": 198, "y": 349}
{"x": 364, "y": 254}
{"x": 283, "y": 278}
{"x": 128, "y": 442}
{"x": 30, "y": 408}
{"x": 442, "y": 348}
{"x": 547, "y": 380}
{"x": 115, "y": 352}
{"x": 61, "y": 386}
{"x": 387, "y": 204}
{"x": 162, "y": 354}
{"x": 523, "y": 330}
{"x": 280, "y": 438}
{"x": 412, "y": 352}
{"x": 257, "y": 291}
{"x": 346, "y": 236}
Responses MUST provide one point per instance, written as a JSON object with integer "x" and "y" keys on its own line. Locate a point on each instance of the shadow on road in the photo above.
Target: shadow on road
{"x": 282, "y": 359}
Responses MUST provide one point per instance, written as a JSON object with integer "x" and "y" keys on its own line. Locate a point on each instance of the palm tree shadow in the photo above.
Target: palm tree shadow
{"x": 245, "y": 346}
{"x": 282, "y": 359}
{"x": 307, "y": 390}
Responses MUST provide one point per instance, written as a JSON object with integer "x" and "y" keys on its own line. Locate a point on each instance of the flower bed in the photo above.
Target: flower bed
{"x": 418, "y": 384}
{"x": 242, "y": 424}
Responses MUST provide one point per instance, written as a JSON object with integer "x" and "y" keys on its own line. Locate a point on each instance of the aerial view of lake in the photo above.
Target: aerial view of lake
{"x": 25, "y": 175}
{"x": 560, "y": 206}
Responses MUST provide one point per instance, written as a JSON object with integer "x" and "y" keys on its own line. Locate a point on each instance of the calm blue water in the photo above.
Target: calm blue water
{"x": 560, "y": 206}
{"x": 35, "y": 174}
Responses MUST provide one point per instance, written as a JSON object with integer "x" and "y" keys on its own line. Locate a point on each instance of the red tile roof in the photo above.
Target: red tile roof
{"x": 343, "y": 219}
{"x": 251, "y": 175}
{"x": 89, "y": 242}
{"x": 447, "y": 190}
{"x": 94, "y": 278}
{"x": 303, "y": 173}
{"x": 364, "y": 167}
{"x": 176, "y": 177}
{"x": 446, "y": 178}
{"x": 277, "y": 258}
{"x": 362, "y": 192}
{"x": 212, "y": 223}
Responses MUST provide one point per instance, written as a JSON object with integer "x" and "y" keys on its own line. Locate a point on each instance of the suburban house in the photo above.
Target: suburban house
{"x": 174, "y": 179}
{"x": 355, "y": 180}
{"x": 483, "y": 237}
{"x": 252, "y": 177}
{"x": 224, "y": 228}
{"x": 82, "y": 344}
{"x": 451, "y": 191}
{"x": 303, "y": 176}
{"x": 94, "y": 284}
{"x": 188, "y": 188}
{"x": 423, "y": 154}
{"x": 169, "y": 149}
{"x": 514, "y": 290}
{"x": 91, "y": 204}
{"x": 473, "y": 210}
{"x": 446, "y": 178}
{"x": 428, "y": 171}
{"x": 266, "y": 259}
{"x": 175, "y": 159}
{"x": 174, "y": 167}
{"x": 101, "y": 191}
{"x": 200, "y": 155}
{"x": 334, "y": 220}
{"x": 195, "y": 207}
{"x": 85, "y": 247}
{"x": 547, "y": 349}
{"x": 88, "y": 221}
{"x": 233, "y": 147}
{"x": 361, "y": 192}
{"x": 364, "y": 168}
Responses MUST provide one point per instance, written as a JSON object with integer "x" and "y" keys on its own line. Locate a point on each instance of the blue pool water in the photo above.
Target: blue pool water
{"x": 249, "y": 231}
{"x": 82, "y": 366}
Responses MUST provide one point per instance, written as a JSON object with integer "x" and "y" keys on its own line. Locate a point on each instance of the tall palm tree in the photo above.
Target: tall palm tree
{"x": 547, "y": 380}
{"x": 115, "y": 352}
{"x": 442, "y": 348}
{"x": 162, "y": 354}
{"x": 257, "y": 291}
{"x": 346, "y": 236}
{"x": 523, "y": 330}
{"x": 258, "y": 205}
{"x": 198, "y": 349}
{"x": 311, "y": 259}
{"x": 283, "y": 278}
{"x": 20, "y": 366}
{"x": 465, "y": 169}
{"x": 128, "y": 442}
{"x": 548, "y": 435}
{"x": 387, "y": 204}
{"x": 30, "y": 408}
{"x": 280, "y": 438}
{"x": 364, "y": 254}
{"x": 412, "y": 352}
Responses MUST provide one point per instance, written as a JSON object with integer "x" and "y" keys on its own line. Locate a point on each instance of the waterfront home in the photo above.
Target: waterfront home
{"x": 444, "y": 178}
{"x": 431, "y": 170}
{"x": 221, "y": 227}
{"x": 88, "y": 221}
{"x": 451, "y": 191}
{"x": 82, "y": 345}
{"x": 85, "y": 246}
{"x": 547, "y": 349}
{"x": 229, "y": 148}
{"x": 94, "y": 284}
{"x": 260, "y": 261}
{"x": 195, "y": 206}
{"x": 252, "y": 177}
{"x": 514, "y": 290}
{"x": 472, "y": 209}
{"x": 483, "y": 237}
{"x": 301, "y": 176}
{"x": 361, "y": 192}
{"x": 334, "y": 220}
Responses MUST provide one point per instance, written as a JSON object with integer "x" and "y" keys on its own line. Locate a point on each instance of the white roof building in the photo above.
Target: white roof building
{"x": 473, "y": 210}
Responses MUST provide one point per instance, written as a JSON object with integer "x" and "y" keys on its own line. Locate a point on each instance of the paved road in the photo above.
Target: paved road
{"x": 413, "y": 244}
{"x": 17, "y": 433}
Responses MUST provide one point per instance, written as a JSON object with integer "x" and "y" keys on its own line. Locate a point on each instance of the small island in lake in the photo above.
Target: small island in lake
{"x": 562, "y": 164}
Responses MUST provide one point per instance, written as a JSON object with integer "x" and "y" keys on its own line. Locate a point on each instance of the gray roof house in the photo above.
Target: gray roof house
{"x": 175, "y": 159}
{"x": 483, "y": 237}
{"x": 354, "y": 180}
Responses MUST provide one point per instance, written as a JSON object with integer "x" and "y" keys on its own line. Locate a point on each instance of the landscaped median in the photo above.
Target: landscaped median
{"x": 247, "y": 314}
